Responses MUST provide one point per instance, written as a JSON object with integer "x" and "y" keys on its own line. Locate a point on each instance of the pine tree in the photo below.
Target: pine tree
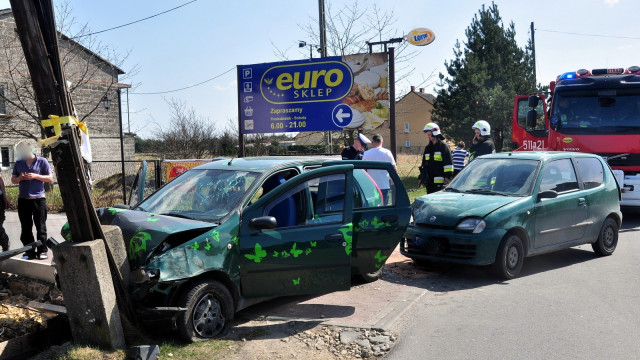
{"x": 483, "y": 79}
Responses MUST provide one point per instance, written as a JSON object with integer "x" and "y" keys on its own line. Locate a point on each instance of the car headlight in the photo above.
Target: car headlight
{"x": 472, "y": 225}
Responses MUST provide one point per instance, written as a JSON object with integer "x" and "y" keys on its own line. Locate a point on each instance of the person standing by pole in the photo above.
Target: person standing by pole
{"x": 482, "y": 141}
{"x": 356, "y": 151}
{"x": 437, "y": 165}
{"x": 381, "y": 177}
{"x": 30, "y": 173}
{"x": 459, "y": 156}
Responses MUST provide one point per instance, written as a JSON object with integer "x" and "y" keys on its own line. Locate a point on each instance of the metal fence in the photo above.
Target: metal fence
{"x": 107, "y": 183}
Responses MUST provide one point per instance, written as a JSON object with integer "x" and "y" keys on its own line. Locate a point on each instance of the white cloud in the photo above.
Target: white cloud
{"x": 611, "y": 2}
{"x": 230, "y": 86}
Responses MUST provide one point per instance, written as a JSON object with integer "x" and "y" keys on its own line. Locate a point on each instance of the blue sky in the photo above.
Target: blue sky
{"x": 208, "y": 37}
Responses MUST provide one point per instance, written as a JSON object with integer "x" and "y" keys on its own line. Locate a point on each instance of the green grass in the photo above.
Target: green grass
{"x": 204, "y": 350}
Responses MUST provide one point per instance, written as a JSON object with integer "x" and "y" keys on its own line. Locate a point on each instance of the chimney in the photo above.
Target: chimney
{"x": 413, "y": 88}
{"x": 422, "y": 90}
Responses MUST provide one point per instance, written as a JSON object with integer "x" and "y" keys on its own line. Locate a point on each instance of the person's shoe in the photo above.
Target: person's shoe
{"x": 28, "y": 257}
{"x": 43, "y": 256}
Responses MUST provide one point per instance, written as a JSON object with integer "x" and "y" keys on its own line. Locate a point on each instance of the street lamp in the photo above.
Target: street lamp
{"x": 302, "y": 43}
{"x": 107, "y": 102}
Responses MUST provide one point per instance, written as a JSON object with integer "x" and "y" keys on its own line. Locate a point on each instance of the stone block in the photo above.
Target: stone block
{"x": 115, "y": 242}
{"x": 89, "y": 294}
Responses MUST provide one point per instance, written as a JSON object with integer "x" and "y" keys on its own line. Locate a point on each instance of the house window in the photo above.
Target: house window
{"x": 407, "y": 144}
{"x": 4, "y": 156}
{"x": 406, "y": 127}
{"x": 3, "y": 101}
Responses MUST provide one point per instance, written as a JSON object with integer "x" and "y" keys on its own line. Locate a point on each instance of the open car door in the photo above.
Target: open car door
{"x": 381, "y": 213}
{"x": 524, "y": 136}
{"x": 297, "y": 238}
{"x": 136, "y": 194}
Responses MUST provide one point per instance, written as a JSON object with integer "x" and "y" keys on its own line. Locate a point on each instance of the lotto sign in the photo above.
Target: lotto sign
{"x": 333, "y": 93}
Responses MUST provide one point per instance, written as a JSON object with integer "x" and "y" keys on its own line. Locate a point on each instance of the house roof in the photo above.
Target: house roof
{"x": 428, "y": 97}
{"x": 85, "y": 49}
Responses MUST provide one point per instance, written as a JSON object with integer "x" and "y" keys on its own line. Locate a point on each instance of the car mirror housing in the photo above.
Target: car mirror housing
{"x": 547, "y": 194}
{"x": 263, "y": 223}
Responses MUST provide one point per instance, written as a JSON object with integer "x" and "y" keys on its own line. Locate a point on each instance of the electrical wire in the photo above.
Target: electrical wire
{"x": 183, "y": 88}
{"x": 134, "y": 22}
{"x": 593, "y": 35}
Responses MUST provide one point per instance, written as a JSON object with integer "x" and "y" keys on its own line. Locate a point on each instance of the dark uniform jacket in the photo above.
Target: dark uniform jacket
{"x": 350, "y": 153}
{"x": 437, "y": 163}
{"x": 483, "y": 147}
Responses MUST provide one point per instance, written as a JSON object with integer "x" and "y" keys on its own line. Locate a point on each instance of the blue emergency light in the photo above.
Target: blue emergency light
{"x": 567, "y": 75}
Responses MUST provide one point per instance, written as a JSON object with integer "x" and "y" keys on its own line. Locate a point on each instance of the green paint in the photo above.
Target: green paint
{"x": 151, "y": 218}
{"x": 313, "y": 244}
{"x": 195, "y": 246}
{"x": 356, "y": 229}
{"x": 138, "y": 243}
{"x": 208, "y": 246}
{"x": 364, "y": 223}
{"x": 295, "y": 252}
{"x": 296, "y": 282}
{"x": 377, "y": 224}
{"x": 379, "y": 257}
{"x": 307, "y": 251}
{"x": 275, "y": 254}
{"x": 215, "y": 234}
{"x": 234, "y": 239}
{"x": 285, "y": 254}
{"x": 347, "y": 233}
{"x": 113, "y": 211}
{"x": 259, "y": 254}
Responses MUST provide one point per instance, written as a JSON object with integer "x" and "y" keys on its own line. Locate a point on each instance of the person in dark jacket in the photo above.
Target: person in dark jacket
{"x": 356, "y": 151}
{"x": 437, "y": 165}
{"x": 482, "y": 143}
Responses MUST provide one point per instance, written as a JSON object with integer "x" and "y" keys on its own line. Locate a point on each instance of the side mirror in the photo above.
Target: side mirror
{"x": 533, "y": 101}
{"x": 532, "y": 118}
{"x": 263, "y": 223}
{"x": 547, "y": 194}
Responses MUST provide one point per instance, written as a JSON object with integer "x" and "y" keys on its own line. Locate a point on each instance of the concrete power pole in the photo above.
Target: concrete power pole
{"x": 323, "y": 53}
{"x": 533, "y": 54}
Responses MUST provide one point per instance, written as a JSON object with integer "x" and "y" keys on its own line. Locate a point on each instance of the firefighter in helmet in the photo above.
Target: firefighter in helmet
{"x": 482, "y": 143}
{"x": 437, "y": 166}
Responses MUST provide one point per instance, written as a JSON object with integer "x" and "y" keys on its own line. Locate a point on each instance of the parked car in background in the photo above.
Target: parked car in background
{"x": 505, "y": 207}
{"x": 227, "y": 234}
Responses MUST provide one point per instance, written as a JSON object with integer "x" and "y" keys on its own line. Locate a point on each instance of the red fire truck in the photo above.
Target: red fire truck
{"x": 595, "y": 111}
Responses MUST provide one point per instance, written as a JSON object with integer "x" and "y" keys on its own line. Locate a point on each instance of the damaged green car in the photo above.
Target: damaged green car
{"x": 231, "y": 233}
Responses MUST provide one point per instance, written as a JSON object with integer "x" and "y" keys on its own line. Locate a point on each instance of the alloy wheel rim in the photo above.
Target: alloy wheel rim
{"x": 512, "y": 257}
{"x": 208, "y": 320}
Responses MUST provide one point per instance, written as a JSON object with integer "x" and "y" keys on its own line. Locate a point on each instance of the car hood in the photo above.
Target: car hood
{"x": 145, "y": 232}
{"x": 446, "y": 209}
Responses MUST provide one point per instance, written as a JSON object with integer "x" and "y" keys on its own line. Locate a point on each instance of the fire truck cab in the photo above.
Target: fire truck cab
{"x": 595, "y": 111}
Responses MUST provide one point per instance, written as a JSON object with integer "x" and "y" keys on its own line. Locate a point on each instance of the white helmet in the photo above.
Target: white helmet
{"x": 433, "y": 127}
{"x": 483, "y": 126}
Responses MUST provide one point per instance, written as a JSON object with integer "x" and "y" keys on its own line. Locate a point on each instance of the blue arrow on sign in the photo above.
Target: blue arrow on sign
{"x": 342, "y": 115}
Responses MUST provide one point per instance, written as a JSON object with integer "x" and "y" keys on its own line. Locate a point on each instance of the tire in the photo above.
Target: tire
{"x": 371, "y": 277}
{"x": 210, "y": 310}
{"x": 608, "y": 238}
{"x": 509, "y": 258}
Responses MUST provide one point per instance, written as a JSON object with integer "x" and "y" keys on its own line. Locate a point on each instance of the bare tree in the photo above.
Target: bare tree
{"x": 90, "y": 66}
{"x": 189, "y": 136}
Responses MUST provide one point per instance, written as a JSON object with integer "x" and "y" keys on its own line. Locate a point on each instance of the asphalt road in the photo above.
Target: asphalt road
{"x": 565, "y": 305}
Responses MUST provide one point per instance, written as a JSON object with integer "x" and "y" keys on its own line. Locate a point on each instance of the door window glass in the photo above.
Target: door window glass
{"x": 559, "y": 176}
{"x": 316, "y": 201}
{"x": 591, "y": 172}
{"x": 523, "y": 109}
{"x": 373, "y": 188}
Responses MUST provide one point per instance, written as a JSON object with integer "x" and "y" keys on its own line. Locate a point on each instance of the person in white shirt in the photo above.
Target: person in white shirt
{"x": 381, "y": 177}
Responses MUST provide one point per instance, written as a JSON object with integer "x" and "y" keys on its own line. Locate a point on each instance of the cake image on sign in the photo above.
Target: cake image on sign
{"x": 420, "y": 36}
{"x": 369, "y": 96}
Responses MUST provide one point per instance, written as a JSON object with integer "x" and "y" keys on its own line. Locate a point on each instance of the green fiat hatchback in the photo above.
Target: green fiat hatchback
{"x": 505, "y": 207}
{"x": 233, "y": 232}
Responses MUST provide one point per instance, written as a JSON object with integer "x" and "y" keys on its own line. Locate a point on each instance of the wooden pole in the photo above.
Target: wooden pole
{"x": 392, "y": 102}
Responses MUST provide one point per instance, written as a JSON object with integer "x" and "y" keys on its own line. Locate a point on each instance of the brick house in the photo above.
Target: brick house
{"x": 413, "y": 112}
{"x": 90, "y": 78}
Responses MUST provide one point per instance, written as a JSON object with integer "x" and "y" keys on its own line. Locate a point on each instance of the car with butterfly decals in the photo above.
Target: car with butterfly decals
{"x": 228, "y": 234}
{"x": 505, "y": 207}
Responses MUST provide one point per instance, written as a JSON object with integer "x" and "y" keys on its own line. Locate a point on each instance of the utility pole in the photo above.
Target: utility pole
{"x": 533, "y": 54}
{"x": 323, "y": 53}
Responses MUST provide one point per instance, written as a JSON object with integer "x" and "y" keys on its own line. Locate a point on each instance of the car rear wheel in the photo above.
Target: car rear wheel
{"x": 509, "y": 258}
{"x": 373, "y": 276}
{"x": 608, "y": 239}
{"x": 209, "y": 312}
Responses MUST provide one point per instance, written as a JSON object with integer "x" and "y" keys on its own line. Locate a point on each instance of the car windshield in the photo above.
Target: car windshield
{"x": 206, "y": 195}
{"x": 507, "y": 177}
{"x": 597, "y": 111}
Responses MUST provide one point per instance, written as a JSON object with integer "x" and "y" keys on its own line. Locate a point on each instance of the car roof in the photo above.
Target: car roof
{"x": 263, "y": 163}
{"x": 538, "y": 155}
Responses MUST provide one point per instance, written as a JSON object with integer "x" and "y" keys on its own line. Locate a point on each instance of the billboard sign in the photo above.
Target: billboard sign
{"x": 420, "y": 36}
{"x": 328, "y": 94}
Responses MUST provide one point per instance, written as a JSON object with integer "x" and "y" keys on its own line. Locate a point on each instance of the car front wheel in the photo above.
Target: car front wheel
{"x": 608, "y": 239}
{"x": 371, "y": 277}
{"x": 209, "y": 312}
{"x": 509, "y": 258}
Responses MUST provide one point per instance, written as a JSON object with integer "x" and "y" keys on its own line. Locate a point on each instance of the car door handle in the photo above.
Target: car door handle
{"x": 582, "y": 202}
{"x": 334, "y": 238}
{"x": 389, "y": 218}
